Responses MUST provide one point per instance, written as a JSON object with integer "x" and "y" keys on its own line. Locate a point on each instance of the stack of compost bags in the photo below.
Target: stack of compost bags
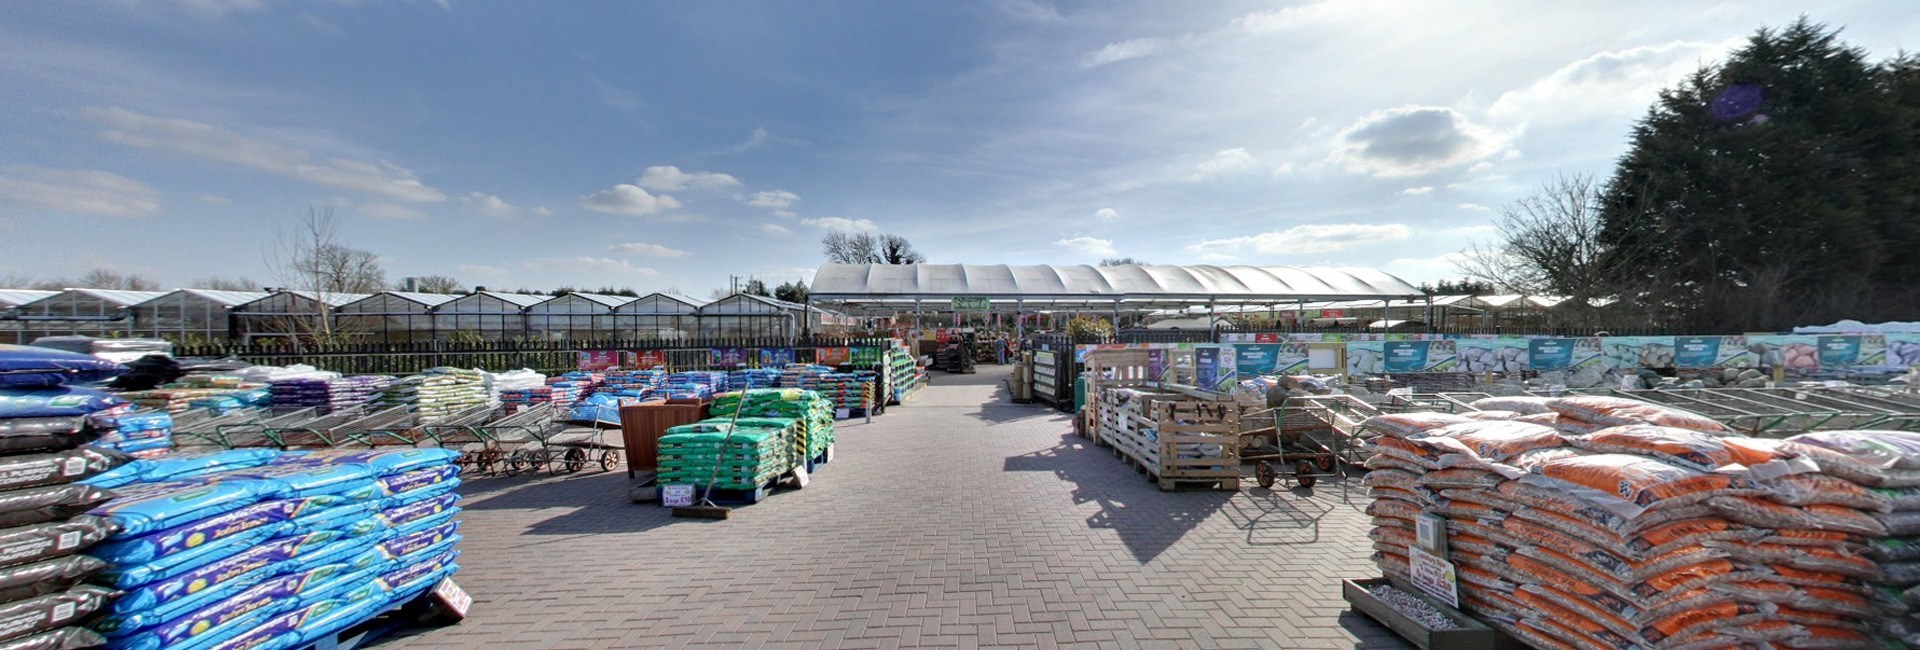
{"x": 639, "y": 382}
{"x": 140, "y": 434}
{"x": 266, "y": 549}
{"x": 499, "y": 384}
{"x": 438, "y": 392}
{"x": 694, "y": 384}
{"x": 758, "y": 451}
{"x": 333, "y": 392}
{"x": 811, "y": 413}
{"x": 799, "y": 375}
{"x": 751, "y": 378}
{"x": 1655, "y": 528}
{"x": 44, "y": 425}
{"x": 849, "y": 391}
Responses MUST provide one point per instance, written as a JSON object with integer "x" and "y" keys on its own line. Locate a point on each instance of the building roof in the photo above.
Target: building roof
{"x": 225, "y": 298}
{"x": 520, "y": 300}
{"x": 117, "y": 297}
{"x": 868, "y": 283}
{"x": 332, "y": 299}
{"x": 13, "y": 297}
{"x": 634, "y": 307}
{"x": 604, "y": 299}
{"x": 719, "y": 306}
{"x": 424, "y": 299}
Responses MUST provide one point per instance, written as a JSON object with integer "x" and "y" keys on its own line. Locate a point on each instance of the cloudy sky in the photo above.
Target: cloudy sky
{"x": 670, "y": 145}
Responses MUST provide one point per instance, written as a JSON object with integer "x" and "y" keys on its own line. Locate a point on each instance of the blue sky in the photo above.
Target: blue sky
{"x": 670, "y": 145}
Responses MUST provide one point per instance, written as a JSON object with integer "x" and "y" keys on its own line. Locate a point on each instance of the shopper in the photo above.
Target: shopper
{"x": 1000, "y": 349}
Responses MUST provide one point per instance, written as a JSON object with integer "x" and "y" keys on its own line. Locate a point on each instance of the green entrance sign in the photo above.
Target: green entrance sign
{"x": 969, "y": 303}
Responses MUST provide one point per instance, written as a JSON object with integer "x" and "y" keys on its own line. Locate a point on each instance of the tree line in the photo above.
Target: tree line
{"x": 1780, "y": 187}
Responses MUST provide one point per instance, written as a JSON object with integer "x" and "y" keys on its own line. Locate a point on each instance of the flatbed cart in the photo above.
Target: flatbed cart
{"x": 334, "y": 428}
{"x": 559, "y": 447}
{"x": 253, "y": 432}
{"x": 463, "y": 432}
{"x": 1295, "y": 456}
{"x": 200, "y": 427}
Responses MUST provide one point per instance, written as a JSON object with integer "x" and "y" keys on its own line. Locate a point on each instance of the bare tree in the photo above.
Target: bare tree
{"x": 869, "y": 248}
{"x": 309, "y": 257}
{"x": 1550, "y": 243}
{"x": 111, "y": 279}
{"x": 217, "y": 283}
{"x": 437, "y": 284}
{"x": 1122, "y": 261}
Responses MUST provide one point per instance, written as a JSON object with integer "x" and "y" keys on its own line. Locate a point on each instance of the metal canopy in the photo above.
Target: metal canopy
{"x": 1089, "y": 285}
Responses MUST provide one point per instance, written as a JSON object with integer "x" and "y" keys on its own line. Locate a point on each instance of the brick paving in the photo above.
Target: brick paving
{"x": 956, "y": 520}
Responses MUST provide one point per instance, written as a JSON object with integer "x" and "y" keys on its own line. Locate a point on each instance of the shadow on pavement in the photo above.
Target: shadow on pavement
{"x": 592, "y": 503}
{"x": 1148, "y": 520}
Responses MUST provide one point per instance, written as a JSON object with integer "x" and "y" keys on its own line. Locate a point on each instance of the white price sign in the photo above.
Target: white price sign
{"x": 677, "y": 495}
{"x": 453, "y": 596}
{"x": 1434, "y": 576}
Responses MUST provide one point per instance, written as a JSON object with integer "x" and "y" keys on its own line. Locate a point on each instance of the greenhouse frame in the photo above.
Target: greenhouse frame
{"x": 748, "y": 315}
{"x": 196, "y": 315}
{"x": 10, "y": 301}
{"x": 392, "y": 316}
{"x": 661, "y": 316}
{"x": 567, "y": 316}
{"x": 484, "y": 315}
{"x": 289, "y": 313}
{"x": 89, "y": 312}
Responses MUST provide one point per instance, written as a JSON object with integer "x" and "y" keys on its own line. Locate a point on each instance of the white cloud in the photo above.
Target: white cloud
{"x": 489, "y": 204}
{"x": 761, "y": 137}
{"x": 1230, "y": 161}
{"x": 1087, "y": 245}
{"x": 207, "y": 141}
{"x": 627, "y": 199}
{"x": 1415, "y": 140}
{"x": 1475, "y": 207}
{"x": 1306, "y": 15}
{"x": 774, "y": 229}
{"x": 668, "y": 178}
{"x": 1303, "y": 240}
{"x": 1123, "y": 50}
{"x": 649, "y": 250}
{"x": 841, "y": 223}
{"x": 390, "y": 211}
{"x": 785, "y": 214}
{"x": 1106, "y": 214}
{"x": 787, "y": 274}
{"x": 615, "y": 96}
{"x": 1612, "y": 84}
{"x": 215, "y": 199}
{"x": 78, "y": 191}
{"x": 586, "y": 264}
{"x": 481, "y": 270}
{"x": 1427, "y": 269}
{"x": 1424, "y": 189}
{"x": 220, "y": 8}
{"x": 778, "y": 199}
{"x": 543, "y": 211}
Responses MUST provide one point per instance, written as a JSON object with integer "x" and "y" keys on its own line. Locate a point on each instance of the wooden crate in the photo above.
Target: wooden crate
{"x": 1178, "y": 417}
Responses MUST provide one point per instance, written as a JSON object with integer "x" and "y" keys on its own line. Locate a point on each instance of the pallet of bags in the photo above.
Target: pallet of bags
{"x": 812, "y": 413}
{"x": 1635, "y": 535}
{"x": 262, "y": 548}
{"x": 140, "y": 434}
{"x": 748, "y": 457}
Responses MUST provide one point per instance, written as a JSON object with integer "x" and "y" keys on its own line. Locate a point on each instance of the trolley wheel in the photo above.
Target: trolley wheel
{"x": 486, "y": 461}
{"x": 1326, "y": 462}
{"x": 609, "y": 460}
{"x": 1303, "y": 474}
{"x": 1265, "y": 473}
{"x": 518, "y": 462}
{"x": 574, "y": 460}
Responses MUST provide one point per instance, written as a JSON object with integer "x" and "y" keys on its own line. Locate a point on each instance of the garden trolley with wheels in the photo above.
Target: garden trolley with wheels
{"x": 557, "y": 448}
{"x": 1296, "y": 455}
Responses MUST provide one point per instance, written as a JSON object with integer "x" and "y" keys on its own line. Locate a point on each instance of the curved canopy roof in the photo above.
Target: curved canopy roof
{"x": 1154, "y": 283}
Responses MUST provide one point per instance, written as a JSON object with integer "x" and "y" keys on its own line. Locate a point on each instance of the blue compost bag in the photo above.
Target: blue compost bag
{"x": 136, "y": 446}
{"x": 421, "y": 494}
{"x": 182, "y": 466}
{"x": 148, "y": 507}
{"x": 198, "y": 583}
{"x": 55, "y": 402}
{"x": 347, "y": 609}
{"x": 402, "y": 546}
{"x": 358, "y": 554}
{"x": 423, "y": 523}
{"x": 597, "y": 408}
{"x": 410, "y": 579}
{"x": 294, "y": 481}
{"x": 271, "y": 515}
{"x": 387, "y": 462}
{"x": 27, "y": 366}
{"x": 280, "y": 631}
{"x": 179, "y": 562}
{"x": 399, "y": 516}
{"x": 343, "y": 517}
{"x": 272, "y": 596}
{"x": 132, "y": 421}
{"x": 407, "y": 482}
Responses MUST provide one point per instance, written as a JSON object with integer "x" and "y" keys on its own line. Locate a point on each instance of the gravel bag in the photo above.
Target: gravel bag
{"x": 1633, "y": 484}
{"x": 1559, "y": 423}
{"x": 1498, "y": 441}
{"x": 1615, "y": 411}
{"x": 1411, "y": 425}
{"x": 1883, "y": 449}
{"x": 1519, "y": 405}
{"x": 1490, "y": 416}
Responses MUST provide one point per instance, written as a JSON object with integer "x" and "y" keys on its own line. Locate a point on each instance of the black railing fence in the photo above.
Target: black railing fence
{"x": 542, "y": 355}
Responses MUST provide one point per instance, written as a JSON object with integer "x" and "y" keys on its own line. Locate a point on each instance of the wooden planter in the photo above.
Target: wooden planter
{"x": 1470, "y": 635}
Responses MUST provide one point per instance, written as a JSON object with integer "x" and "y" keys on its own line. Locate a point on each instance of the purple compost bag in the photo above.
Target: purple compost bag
{"x": 50, "y": 503}
{"x": 147, "y": 507}
{"x": 411, "y": 578}
{"x": 66, "y": 638}
{"x": 348, "y": 518}
{"x": 387, "y": 462}
{"x": 407, "y": 482}
{"x": 127, "y": 576}
{"x": 271, "y": 515}
{"x": 196, "y": 585}
{"x": 42, "y": 578}
{"x": 23, "y": 618}
{"x": 399, "y": 516}
{"x": 24, "y": 544}
{"x": 408, "y": 544}
{"x": 57, "y": 468}
{"x": 24, "y": 366}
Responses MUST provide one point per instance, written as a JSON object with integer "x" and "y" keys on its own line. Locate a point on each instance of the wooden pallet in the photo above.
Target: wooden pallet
{"x": 1178, "y": 418}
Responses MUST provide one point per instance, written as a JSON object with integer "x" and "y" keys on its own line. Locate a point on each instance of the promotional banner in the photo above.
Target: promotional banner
{"x": 1291, "y": 360}
{"x": 1491, "y": 355}
{"x": 599, "y": 359}
{"x": 1366, "y": 357}
{"x": 776, "y": 357}
{"x": 1157, "y": 364}
{"x": 1903, "y": 349}
{"x": 726, "y": 357}
{"x": 1419, "y": 356}
{"x": 644, "y": 359}
{"x": 1630, "y": 352}
{"x": 1255, "y": 358}
{"x": 1695, "y": 351}
{"x": 1793, "y": 352}
{"x": 1550, "y": 354}
{"x": 1838, "y": 351}
{"x": 832, "y": 356}
{"x": 1213, "y": 367}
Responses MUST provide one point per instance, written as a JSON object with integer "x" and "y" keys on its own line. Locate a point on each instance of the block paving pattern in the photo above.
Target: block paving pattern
{"x": 956, "y": 520}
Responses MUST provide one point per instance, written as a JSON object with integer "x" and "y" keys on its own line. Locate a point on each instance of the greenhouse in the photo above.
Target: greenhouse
{"x": 484, "y": 315}
{"x": 391, "y": 316}
{"x": 191, "y": 314}
{"x": 91, "y": 312}
{"x": 576, "y": 316}
{"x": 748, "y": 315}
{"x": 659, "y": 316}
{"x": 288, "y": 313}
{"x": 10, "y": 301}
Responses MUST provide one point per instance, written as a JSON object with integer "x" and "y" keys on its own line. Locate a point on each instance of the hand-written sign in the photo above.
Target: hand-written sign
{"x": 676, "y": 495}
{"x": 1434, "y": 576}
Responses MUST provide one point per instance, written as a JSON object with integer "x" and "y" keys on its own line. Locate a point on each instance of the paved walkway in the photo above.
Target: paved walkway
{"x": 956, "y": 520}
